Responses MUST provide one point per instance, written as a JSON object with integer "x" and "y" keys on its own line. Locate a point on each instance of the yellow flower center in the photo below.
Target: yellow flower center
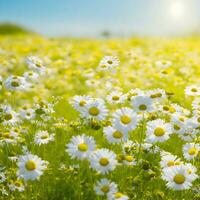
{"x": 83, "y": 147}
{"x": 94, "y": 111}
{"x": 44, "y": 137}
{"x": 104, "y": 161}
{"x": 170, "y": 163}
{"x": 125, "y": 119}
{"x": 117, "y": 134}
{"x": 159, "y": 131}
{"x": 192, "y": 151}
{"x": 115, "y": 98}
{"x": 18, "y": 183}
{"x": 30, "y": 165}
{"x": 15, "y": 84}
{"x": 194, "y": 90}
{"x": 129, "y": 158}
{"x": 166, "y": 108}
{"x": 142, "y": 107}
{"x": 118, "y": 195}
{"x": 110, "y": 62}
{"x": 82, "y": 103}
{"x": 172, "y": 110}
{"x": 8, "y": 117}
{"x": 105, "y": 189}
{"x": 179, "y": 179}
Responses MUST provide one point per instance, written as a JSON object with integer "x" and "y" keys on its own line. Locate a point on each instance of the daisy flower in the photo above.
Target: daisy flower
{"x": 16, "y": 185}
{"x": 43, "y": 137}
{"x": 157, "y": 94}
{"x": 79, "y": 102}
{"x": 30, "y": 167}
{"x": 196, "y": 104}
{"x": 103, "y": 160}
{"x": 177, "y": 177}
{"x": 105, "y": 187}
{"x": 142, "y": 104}
{"x": 169, "y": 160}
{"x": 95, "y": 109}
{"x": 192, "y": 90}
{"x": 116, "y": 97}
{"x": 115, "y": 136}
{"x": 10, "y": 137}
{"x": 31, "y": 76}
{"x": 163, "y": 63}
{"x": 35, "y": 64}
{"x": 27, "y": 113}
{"x": 190, "y": 150}
{"x": 16, "y": 83}
{"x": 109, "y": 62}
{"x": 125, "y": 119}
{"x": 118, "y": 196}
{"x": 158, "y": 131}
{"x": 129, "y": 160}
{"x": 81, "y": 146}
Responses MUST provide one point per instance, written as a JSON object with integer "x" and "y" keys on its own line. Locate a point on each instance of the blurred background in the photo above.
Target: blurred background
{"x": 89, "y": 18}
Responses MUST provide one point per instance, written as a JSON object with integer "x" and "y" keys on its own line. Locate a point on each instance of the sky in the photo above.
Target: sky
{"x": 80, "y": 18}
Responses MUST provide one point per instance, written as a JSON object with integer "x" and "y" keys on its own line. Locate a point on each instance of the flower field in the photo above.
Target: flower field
{"x": 95, "y": 119}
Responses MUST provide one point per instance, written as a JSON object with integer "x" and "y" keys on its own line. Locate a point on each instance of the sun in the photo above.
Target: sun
{"x": 177, "y": 9}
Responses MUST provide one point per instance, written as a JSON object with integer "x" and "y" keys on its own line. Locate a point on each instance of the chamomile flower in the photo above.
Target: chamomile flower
{"x": 163, "y": 63}
{"x": 129, "y": 160}
{"x": 79, "y": 102}
{"x": 103, "y": 160}
{"x": 158, "y": 131}
{"x": 192, "y": 90}
{"x": 35, "y": 64}
{"x": 95, "y": 109}
{"x": 196, "y": 104}
{"x": 118, "y": 196}
{"x": 30, "y": 167}
{"x": 43, "y": 137}
{"x": 177, "y": 177}
{"x": 125, "y": 119}
{"x": 169, "y": 160}
{"x": 116, "y": 97}
{"x": 191, "y": 169}
{"x": 190, "y": 150}
{"x": 157, "y": 94}
{"x": 10, "y": 137}
{"x": 115, "y": 136}
{"x": 142, "y": 104}
{"x": 27, "y": 113}
{"x": 81, "y": 146}
{"x": 17, "y": 83}
{"x": 10, "y": 117}
{"x": 105, "y": 187}
{"x": 31, "y": 76}
{"x": 109, "y": 62}
{"x": 16, "y": 185}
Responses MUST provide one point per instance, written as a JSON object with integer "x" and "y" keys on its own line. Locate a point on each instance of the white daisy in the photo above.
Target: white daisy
{"x": 115, "y": 136}
{"x": 35, "y": 64}
{"x": 31, "y": 76}
{"x": 116, "y": 97}
{"x": 43, "y": 137}
{"x": 79, "y": 102}
{"x": 95, "y": 109}
{"x": 17, "y": 83}
{"x": 192, "y": 90}
{"x": 163, "y": 63}
{"x": 81, "y": 146}
{"x": 157, "y": 94}
{"x": 109, "y": 62}
{"x": 169, "y": 160}
{"x": 158, "y": 131}
{"x": 177, "y": 177}
{"x": 118, "y": 196}
{"x": 191, "y": 150}
{"x": 142, "y": 104}
{"x": 16, "y": 185}
{"x": 125, "y": 119}
{"x": 134, "y": 93}
{"x": 27, "y": 113}
{"x": 103, "y": 160}
{"x": 31, "y": 167}
{"x": 105, "y": 187}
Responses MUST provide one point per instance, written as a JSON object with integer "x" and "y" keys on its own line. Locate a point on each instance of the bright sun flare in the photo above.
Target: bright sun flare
{"x": 177, "y": 9}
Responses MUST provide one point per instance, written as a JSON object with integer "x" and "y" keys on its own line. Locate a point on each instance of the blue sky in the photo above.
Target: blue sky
{"x": 91, "y": 17}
